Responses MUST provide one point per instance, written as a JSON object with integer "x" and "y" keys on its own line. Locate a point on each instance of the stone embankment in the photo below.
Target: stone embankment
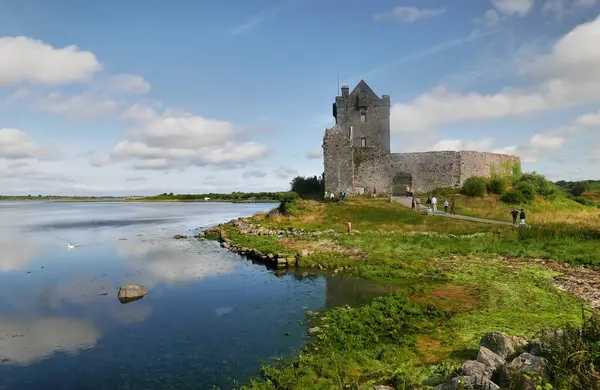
{"x": 244, "y": 227}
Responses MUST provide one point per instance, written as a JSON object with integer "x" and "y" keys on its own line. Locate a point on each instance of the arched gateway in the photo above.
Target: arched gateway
{"x": 401, "y": 180}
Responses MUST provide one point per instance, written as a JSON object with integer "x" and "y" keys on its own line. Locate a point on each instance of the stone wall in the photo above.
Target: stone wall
{"x": 479, "y": 163}
{"x": 337, "y": 160}
{"x": 429, "y": 170}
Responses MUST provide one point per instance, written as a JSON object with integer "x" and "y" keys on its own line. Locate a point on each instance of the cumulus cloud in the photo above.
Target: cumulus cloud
{"x": 175, "y": 138}
{"x": 26, "y": 342}
{"x": 567, "y": 76}
{"x": 128, "y": 83}
{"x": 410, "y": 14}
{"x": 26, "y": 60}
{"x": 82, "y": 107}
{"x": 559, "y": 8}
{"x": 513, "y": 7}
{"x": 285, "y": 173}
{"x": 17, "y": 144}
{"x": 315, "y": 153}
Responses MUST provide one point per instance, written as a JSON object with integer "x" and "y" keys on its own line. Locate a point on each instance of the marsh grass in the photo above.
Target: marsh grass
{"x": 454, "y": 287}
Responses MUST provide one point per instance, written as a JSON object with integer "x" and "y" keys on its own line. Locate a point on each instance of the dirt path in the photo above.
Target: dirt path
{"x": 406, "y": 202}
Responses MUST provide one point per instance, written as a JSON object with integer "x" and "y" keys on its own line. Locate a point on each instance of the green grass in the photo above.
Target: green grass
{"x": 453, "y": 288}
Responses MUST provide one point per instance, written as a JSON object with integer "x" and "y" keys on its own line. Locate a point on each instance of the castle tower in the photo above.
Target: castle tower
{"x": 362, "y": 121}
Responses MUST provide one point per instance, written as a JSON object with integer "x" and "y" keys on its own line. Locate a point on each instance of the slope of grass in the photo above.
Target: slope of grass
{"x": 455, "y": 287}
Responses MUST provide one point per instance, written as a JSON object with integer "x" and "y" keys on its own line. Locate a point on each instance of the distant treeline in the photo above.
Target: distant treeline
{"x": 263, "y": 197}
{"x": 578, "y": 188}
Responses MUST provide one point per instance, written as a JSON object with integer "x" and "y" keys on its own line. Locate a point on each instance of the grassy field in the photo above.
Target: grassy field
{"x": 456, "y": 286}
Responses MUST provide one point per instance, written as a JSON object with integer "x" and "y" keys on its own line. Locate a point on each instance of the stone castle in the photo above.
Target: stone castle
{"x": 357, "y": 158}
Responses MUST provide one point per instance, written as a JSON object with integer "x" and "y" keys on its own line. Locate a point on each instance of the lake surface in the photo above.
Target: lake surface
{"x": 211, "y": 317}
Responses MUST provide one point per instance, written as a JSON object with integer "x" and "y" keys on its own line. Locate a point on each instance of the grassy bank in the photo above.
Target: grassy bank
{"x": 456, "y": 281}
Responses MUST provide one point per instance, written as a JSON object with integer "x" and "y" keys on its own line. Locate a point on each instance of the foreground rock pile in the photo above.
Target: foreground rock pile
{"x": 502, "y": 361}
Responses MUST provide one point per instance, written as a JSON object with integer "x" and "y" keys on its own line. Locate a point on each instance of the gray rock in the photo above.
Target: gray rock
{"x": 473, "y": 382}
{"x": 382, "y": 387}
{"x": 476, "y": 368}
{"x": 524, "y": 364}
{"x": 131, "y": 292}
{"x": 490, "y": 359}
{"x": 502, "y": 344}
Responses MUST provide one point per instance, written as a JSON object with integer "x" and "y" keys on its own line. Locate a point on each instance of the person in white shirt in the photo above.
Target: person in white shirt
{"x": 434, "y": 204}
{"x": 446, "y": 206}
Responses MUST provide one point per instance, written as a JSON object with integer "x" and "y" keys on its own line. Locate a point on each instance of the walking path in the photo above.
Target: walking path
{"x": 406, "y": 202}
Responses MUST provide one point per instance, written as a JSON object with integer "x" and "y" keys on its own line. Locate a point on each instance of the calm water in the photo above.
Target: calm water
{"x": 211, "y": 317}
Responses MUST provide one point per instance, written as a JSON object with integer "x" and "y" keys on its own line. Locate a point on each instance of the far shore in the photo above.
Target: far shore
{"x": 132, "y": 200}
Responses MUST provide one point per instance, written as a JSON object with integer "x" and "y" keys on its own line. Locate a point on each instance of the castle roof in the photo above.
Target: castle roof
{"x": 363, "y": 86}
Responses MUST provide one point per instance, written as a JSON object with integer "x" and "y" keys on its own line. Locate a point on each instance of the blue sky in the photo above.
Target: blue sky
{"x": 113, "y": 98}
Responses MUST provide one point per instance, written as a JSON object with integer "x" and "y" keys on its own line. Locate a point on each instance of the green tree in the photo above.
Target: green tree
{"x": 474, "y": 186}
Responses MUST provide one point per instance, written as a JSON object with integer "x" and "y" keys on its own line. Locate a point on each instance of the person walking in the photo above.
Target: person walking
{"x": 446, "y": 206}
{"x": 412, "y": 191}
{"x": 515, "y": 215}
{"x": 434, "y": 204}
{"x": 522, "y": 217}
{"x": 374, "y": 193}
{"x": 413, "y": 203}
{"x": 418, "y": 203}
{"x": 331, "y": 196}
{"x": 452, "y": 206}
{"x": 407, "y": 191}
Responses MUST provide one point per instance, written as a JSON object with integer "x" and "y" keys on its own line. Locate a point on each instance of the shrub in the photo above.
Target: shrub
{"x": 496, "y": 186}
{"x": 526, "y": 189}
{"x": 474, "y": 186}
{"x": 288, "y": 205}
{"x": 512, "y": 197}
{"x": 308, "y": 187}
{"x": 578, "y": 189}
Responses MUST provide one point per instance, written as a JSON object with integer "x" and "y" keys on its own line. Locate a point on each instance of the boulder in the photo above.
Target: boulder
{"x": 131, "y": 292}
{"x": 490, "y": 359}
{"x": 476, "y": 368}
{"x": 473, "y": 382}
{"x": 502, "y": 344}
{"x": 524, "y": 364}
{"x": 382, "y": 387}
{"x": 179, "y": 237}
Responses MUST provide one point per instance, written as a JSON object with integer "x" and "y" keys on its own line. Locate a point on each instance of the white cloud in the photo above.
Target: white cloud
{"x": 128, "y": 83}
{"x": 82, "y": 107}
{"x": 410, "y": 14}
{"x": 177, "y": 138}
{"x": 568, "y": 76}
{"x": 286, "y": 173}
{"x": 315, "y": 153}
{"x": 17, "y": 144}
{"x": 559, "y": 8}
{"x": 480, "y": 145}
{"x": 542, "y": 141}
{"x": 43, "y": 337}
{"x": 25, "y": 60}
{"x": 513, "y": 7}
{"x": 491, "y": 17}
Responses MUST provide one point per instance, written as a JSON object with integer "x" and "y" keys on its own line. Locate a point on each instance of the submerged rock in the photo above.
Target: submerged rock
{"x": 179, "y": 237}
{"x": 131, "y": 292}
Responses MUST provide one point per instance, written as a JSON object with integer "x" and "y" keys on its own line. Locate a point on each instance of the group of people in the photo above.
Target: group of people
{"x": 518, "y": 214}
{"x": 331, "y": 196}
{"x": 432, "y": 203}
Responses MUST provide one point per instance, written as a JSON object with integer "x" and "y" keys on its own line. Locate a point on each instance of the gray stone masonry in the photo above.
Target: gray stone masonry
{"x": 357, "y": 158}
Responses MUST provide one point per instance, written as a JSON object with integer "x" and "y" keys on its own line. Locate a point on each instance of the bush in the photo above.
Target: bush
{"x": 512, "y": 197}
{"x": 288, "y": 205}
{"x": 578, "y": 189}
{"x": 526, "y": 189}
{"x": 496, "y": 186}
{"x": 474, "y": 186}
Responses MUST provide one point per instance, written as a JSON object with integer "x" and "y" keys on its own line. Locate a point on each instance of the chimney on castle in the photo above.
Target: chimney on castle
{"x": 345, "y": 91}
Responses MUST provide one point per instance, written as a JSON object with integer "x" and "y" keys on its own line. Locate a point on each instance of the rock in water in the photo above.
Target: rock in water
{"x": 131, "y": 292}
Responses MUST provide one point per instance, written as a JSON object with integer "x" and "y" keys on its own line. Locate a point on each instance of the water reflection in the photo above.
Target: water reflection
{"x": 210, "y": 316}
{"x": 24, "y": 341}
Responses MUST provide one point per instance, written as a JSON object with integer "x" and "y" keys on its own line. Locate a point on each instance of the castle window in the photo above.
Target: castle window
{"x": 363, "y": 117}
{"x": 363, "y": 94}
{"x": 363, "y": 142}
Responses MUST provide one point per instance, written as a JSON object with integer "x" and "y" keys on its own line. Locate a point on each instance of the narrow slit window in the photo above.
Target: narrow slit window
{"x": 363, "y": 117}
{"x": 363, "y": 142}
